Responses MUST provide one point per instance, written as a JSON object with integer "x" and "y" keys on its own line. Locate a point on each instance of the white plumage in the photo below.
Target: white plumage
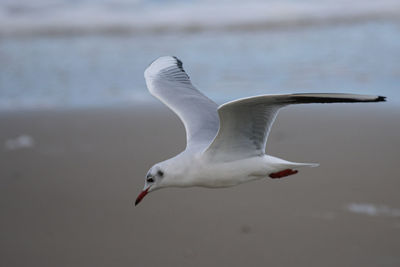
{"x": 225, "y": 144}
{"x": 167, "y": 81}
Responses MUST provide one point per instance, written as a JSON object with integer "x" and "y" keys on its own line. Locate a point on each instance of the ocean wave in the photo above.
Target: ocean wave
{"x": 123, "y": 17}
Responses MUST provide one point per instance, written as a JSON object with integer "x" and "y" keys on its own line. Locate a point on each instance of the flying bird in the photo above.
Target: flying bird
{"x": 225, "y": 145}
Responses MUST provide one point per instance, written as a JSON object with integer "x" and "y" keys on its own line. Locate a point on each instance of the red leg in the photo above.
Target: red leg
{"x": 283, "y": 173}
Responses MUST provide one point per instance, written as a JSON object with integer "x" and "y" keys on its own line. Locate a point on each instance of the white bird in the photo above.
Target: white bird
{"x": 225, "y": 145}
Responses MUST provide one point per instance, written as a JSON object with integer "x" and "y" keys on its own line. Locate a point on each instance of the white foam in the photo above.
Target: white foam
{"x": 121, "y": 16}
{"x": 19, "y": 142}
{"x": 373, "y": 210}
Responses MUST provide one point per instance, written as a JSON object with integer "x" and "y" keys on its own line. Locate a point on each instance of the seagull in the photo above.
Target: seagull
{"x": 225, "y": 145}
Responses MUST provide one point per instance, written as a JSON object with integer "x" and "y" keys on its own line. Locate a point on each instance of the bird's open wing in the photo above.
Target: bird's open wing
{"x": 245, "y": 123}
{"x": 166, "y": 80}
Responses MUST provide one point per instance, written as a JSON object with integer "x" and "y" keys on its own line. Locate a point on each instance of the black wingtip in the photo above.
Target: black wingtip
{"x": 381, "y": 99}
{"x": 178, "y": 63}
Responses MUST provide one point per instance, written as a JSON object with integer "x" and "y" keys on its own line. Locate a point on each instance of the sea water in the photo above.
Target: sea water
{"x": 93, "y": 53}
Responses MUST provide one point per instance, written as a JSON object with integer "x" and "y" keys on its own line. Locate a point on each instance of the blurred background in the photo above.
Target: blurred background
{"x": 64, "y": 53}
{"x": 79, "y": 130}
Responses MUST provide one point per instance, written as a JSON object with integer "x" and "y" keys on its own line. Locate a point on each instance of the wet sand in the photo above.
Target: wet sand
{"x": 67, "y": 198}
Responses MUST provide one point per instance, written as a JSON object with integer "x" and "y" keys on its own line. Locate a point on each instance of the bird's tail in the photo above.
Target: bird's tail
{"x": 283, "y": 168}
{"x": 295, "y": 165}
{"x": 282, "y": 164}
{"x": 290, "y": 169}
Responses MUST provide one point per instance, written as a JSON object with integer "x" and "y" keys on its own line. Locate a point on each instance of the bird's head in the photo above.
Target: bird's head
{"x": 169, "y": 173}
{"x": 154, "y": 180}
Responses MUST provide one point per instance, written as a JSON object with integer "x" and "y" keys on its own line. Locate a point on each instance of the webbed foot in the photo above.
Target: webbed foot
{"x": 283, "y": 173}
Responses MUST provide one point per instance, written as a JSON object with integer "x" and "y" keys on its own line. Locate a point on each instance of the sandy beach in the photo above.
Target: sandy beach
{"x": 66, "y": 194}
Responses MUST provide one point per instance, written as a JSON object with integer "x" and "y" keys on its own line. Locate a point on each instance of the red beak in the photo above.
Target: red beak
{"x": 141, "y": 196}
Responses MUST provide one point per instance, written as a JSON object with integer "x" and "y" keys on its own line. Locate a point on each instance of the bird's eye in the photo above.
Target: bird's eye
{"x": 150, "y": 180}
{"x": 160, "y": 173}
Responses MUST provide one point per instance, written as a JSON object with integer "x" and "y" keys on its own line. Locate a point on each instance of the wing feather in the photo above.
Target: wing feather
{"x": 167, "y": 81}
{"x": 245, "y": 123}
